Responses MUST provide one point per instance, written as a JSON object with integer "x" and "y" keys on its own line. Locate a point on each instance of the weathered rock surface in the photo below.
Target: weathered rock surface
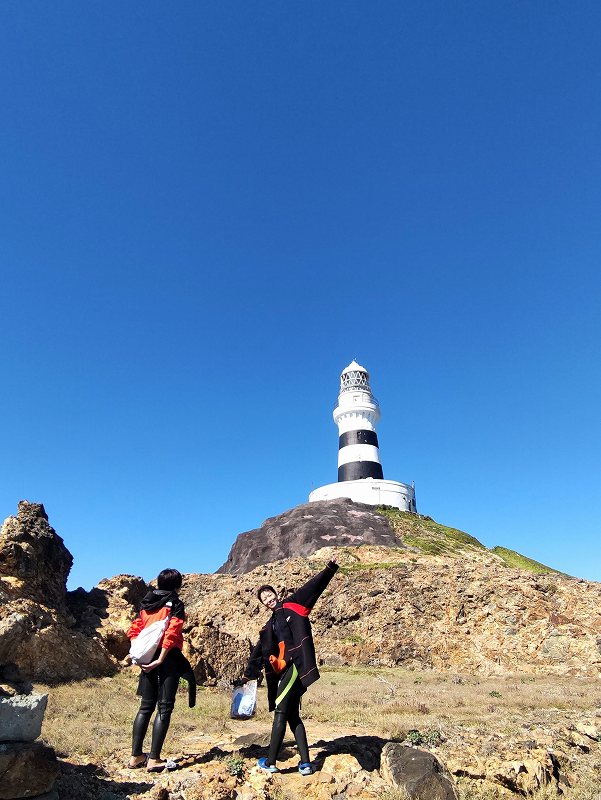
{"x": 34, "y": 561}
{"x": 418, "y": 772}
{"x": 37, "y": 631}
{"x": 108, "y": 610}
{"x": 433, "y": 612}
{"x": 306, "y": 528}
{"x": 21, "y": 717}
{"x": 26, "y": 770}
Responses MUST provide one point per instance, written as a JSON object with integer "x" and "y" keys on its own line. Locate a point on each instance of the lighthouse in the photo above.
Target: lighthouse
{"x": 360, "y": 474}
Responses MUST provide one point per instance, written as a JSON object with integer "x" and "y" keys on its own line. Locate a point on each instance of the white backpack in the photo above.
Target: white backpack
{"x": 145, "y": 645}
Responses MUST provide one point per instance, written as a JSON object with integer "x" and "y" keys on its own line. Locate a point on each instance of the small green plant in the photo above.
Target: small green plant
{"x": 414, "y": 737}
{"x": 235, "y": 764}
{"x": 430, "y": 738}
{"x": 494, "y": 693}
{"x": 433, "y": 738}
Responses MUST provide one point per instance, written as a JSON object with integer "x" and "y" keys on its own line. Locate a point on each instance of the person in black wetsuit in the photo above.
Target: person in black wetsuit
{"x": 160, "y": 678}
{"x": 286, "y": 652}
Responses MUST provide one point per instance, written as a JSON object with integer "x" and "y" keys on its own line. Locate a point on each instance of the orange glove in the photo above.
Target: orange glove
{"x": 278, "y": 663}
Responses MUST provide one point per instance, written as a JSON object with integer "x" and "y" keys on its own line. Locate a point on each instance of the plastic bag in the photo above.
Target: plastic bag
{"x": 244, "y": 701}
{"x": 145, "y": 645}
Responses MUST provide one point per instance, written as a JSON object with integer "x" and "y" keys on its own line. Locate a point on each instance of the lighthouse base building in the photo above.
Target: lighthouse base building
{"x": 360, "y": 475}
{"x": 372, "y": 491}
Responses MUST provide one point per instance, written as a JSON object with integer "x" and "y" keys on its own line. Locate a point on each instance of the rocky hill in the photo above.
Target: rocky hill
{"x": 433, "y": 598}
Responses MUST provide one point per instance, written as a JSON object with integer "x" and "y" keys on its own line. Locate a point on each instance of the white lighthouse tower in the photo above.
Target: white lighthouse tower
{"x": 360, "y": 474}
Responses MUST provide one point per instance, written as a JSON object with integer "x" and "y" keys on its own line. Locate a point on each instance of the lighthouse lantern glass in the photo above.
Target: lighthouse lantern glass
{"x": 354, "y": 380}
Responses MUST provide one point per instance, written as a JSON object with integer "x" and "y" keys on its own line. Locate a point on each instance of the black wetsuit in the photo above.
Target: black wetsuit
{"x": 159, "y": 686}
{"x": 288, "y": 636}
{"x": 287, "y": 710}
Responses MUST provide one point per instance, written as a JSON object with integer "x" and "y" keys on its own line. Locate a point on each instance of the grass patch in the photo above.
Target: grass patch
{"x": 428, "y": 536}
{"x": 93, "y": 718}
{"x": 513, "y": 559}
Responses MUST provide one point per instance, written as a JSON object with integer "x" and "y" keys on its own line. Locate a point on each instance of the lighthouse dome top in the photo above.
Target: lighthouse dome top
{"x": 354, "y": 377}
{"x": 353, "y": 367}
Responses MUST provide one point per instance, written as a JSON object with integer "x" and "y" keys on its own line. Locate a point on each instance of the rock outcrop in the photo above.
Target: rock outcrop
{"x": 387, "y": 608}
{"x": 107, "y": 611}
{"x": 419, "y": 773}
{"x": 34, "y": 562}
{"x": 37, "y": 632}
{"x": 461, "y": 608}
{"x": 306, "y": 528}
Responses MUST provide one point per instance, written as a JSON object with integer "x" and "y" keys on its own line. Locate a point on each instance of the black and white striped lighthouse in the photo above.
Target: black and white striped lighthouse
{"x": 360, "y": 476}
{"x": 356, "y": 415}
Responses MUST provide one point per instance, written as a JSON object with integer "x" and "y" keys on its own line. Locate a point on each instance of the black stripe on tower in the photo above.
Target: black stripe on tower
{"x": 358, "y": 437}
{"x": 356, "y": 470}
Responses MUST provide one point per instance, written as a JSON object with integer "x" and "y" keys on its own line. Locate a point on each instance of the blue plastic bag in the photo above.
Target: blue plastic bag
{"x": 244, "y": 701}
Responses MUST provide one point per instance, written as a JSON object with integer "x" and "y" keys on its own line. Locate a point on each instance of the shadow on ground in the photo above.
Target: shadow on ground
{"x": 78, "y": 781}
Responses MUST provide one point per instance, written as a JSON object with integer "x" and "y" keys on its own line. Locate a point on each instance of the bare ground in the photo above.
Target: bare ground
{"x": 468, "y": 722}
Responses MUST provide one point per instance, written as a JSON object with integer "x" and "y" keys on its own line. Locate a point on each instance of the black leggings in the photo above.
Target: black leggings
{"x": 287, "y": 710}
{"x": 157, "y": 687}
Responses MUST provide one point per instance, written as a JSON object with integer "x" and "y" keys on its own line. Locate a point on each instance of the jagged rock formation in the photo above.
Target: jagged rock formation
{"x": 306, "y": 528}
{"x": 37, "y": 631}
{"x": 34, "y": 561}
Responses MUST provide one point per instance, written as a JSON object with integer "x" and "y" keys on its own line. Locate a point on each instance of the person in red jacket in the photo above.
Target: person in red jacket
{"x": 160, "y": 678}
{"x": 286, "y": 652}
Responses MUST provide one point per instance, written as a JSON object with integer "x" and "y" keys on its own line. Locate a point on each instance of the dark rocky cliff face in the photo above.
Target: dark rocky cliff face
{"x": 307, "y": 528}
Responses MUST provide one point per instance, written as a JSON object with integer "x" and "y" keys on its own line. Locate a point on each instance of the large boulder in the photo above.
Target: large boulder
{"x": 26, "y": 770}
{"x": 45, "y": 646}
{"x": 21, "y": 717}
{"x": 307, "y": 528}
{"x": 419, "y": 773}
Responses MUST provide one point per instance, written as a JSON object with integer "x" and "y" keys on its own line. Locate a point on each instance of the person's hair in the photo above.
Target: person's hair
{"x": 169, "y": 580}
{"x": 265, "y": 588}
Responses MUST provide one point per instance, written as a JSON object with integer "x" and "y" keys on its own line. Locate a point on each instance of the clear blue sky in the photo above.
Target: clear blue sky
{"x": 209, "y": 209}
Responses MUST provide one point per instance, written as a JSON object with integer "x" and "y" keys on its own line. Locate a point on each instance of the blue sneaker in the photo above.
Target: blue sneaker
{"x": 264, "y": 764}
{"x": 306, "y": 769}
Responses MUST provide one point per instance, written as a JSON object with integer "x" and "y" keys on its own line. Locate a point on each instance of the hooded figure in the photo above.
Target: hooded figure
{"x": 160, "y": 678}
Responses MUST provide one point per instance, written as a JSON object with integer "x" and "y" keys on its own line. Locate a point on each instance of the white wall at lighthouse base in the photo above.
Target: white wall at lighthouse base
{"x": 372, "y": 491}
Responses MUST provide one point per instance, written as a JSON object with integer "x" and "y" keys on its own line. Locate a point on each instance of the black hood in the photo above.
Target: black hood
{"x": 157, "y": 598}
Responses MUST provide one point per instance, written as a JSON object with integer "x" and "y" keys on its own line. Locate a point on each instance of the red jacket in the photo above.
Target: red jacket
{"x": 173, "y": 636}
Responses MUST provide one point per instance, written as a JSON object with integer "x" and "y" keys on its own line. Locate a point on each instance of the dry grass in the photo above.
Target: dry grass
{"x": 91, "y": 720}
{"x": 389, "y": 701}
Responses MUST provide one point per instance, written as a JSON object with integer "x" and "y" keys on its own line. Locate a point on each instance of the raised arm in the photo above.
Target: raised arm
{"x": 309, "y": 594}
